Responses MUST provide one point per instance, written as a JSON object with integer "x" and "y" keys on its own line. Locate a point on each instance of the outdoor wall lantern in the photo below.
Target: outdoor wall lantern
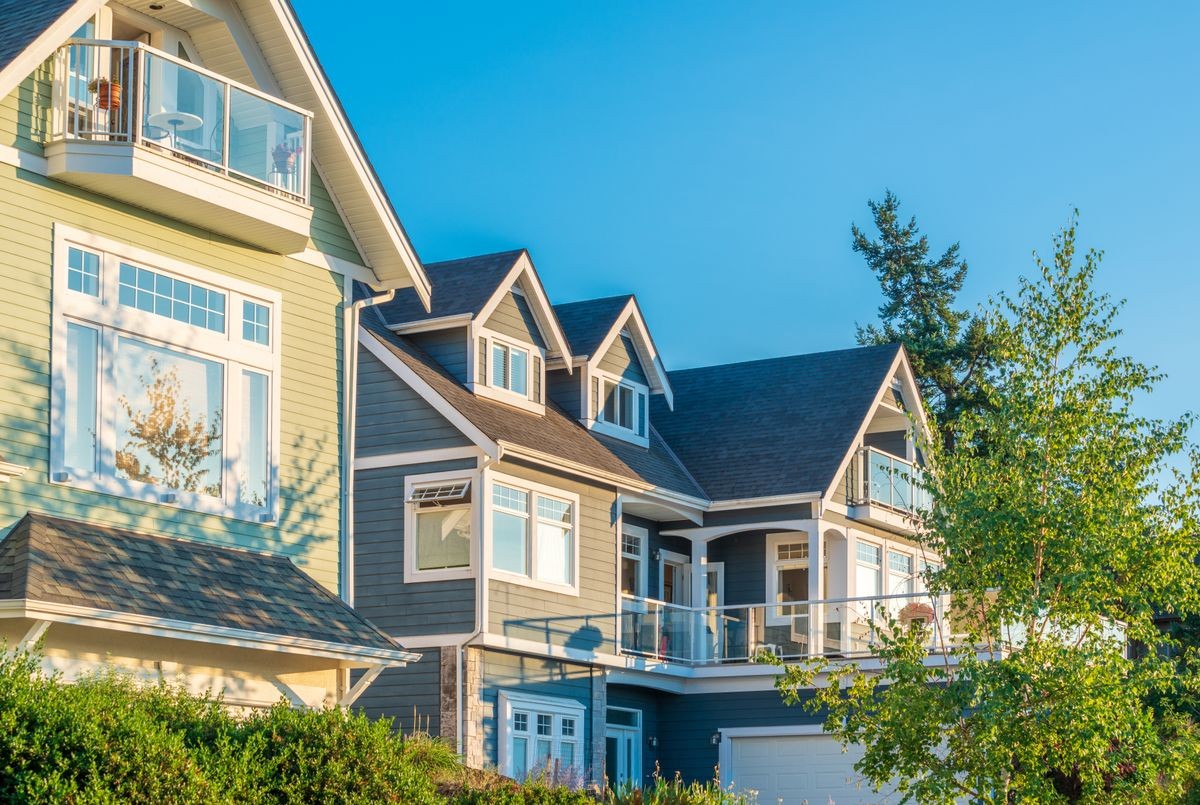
{"x": 715, "y": 740}
{"x": 653, "y": 742}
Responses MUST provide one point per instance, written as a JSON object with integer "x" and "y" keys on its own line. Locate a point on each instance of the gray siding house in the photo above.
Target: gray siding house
{"x": 589, "y": 552}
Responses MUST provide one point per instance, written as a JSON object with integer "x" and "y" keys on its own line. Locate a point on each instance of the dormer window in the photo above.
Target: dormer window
{"x": 621, "y": 406}
{"x": 509, "y": 371}
{"x": 510, "y": 368}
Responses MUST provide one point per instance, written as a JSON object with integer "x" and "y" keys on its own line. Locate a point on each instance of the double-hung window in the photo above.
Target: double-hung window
{"x": 158, "y": 393}
{"x": 540, "y": 736}
{"x": 633, "y": 560}
{"x": 437, "y": 527}
{"x": 510, "y": 368}
{"x": 533, "y": 534}
{"x": 787, "y": 576}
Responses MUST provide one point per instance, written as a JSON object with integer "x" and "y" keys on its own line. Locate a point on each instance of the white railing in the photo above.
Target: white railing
{"x": 836, "y": 627}
{"x": 106, "y": 91}
{"x": 878, "y": 477}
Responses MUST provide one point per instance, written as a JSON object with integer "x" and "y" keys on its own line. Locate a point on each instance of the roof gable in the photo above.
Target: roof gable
{"x": 258, "y": 42}
{"x": 594, "y": 325}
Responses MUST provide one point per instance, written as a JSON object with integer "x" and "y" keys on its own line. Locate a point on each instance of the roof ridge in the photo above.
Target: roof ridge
{"x": 475, "y": 257}
{"x": 624, "y": 296}
{"x": 781, "y": 358}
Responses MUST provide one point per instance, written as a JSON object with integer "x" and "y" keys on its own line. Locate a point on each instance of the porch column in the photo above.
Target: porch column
{"x": 816, "y": 586}
{"x": 699, "y": 598}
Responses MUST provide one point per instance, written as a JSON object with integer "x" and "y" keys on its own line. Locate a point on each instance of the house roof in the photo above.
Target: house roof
{"x": 283, "y": 63}
{"x": 458, "y": 287}
{"x": 555, "y": 434}
{"x": 587, "y": 323}
{"x": 57, "y": 561}
{"x": 22, "y": 22}
{"x": 772, "y": 427}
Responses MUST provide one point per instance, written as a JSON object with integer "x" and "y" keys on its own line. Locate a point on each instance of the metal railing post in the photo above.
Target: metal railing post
{"x": 226, "y": 116}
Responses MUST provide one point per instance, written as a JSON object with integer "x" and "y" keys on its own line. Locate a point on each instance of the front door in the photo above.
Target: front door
{"x": 623, "y": 748}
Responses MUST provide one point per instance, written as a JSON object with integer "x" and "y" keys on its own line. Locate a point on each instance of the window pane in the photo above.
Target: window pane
{"x": 631, "y": 544}
{"x": 171, "y": 298}
{"x": 641, "y": 416}
{"x": 505, "y": 497}
{"x": 625, "y": 413}
{"x": 793, "y": 584}
{"x": 520, "y": 758}
{"x": 555, "y": 553}
{"x": 521, "y": 722}
{"x": 255, "y": 480}
{"x": 509, "y": 542}
{"x": 499, "y": 366}
{"x": 168, "y": 418}
{"x": 519, "y": 381}
{"x": 542, "y": 752}
{"x": 869, "y": 581}
{"x": 631, "y": 576}
{"x": 871, "y": 554}
{"x": 900, "y": 573}
{"x": 79, "y": 420}
{"x": 568, "y": 727}
{"x": 610, "y": 402}
{"x": 567, "y": 754}
{"x": 83, "y": 271}
{"x": 558, "y": 511}
{"x": 443, "y": 538}
{"x": 545, "y": 724}
{"x": 256, "y": 323}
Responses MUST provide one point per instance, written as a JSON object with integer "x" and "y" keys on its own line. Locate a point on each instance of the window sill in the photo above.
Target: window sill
{"x": 617, "y": 432}
{"x": 526, "y": 581}
{"x": 185, "y": 501}
{"x": 412, "y": 576}
{"x": 507, "y": 397}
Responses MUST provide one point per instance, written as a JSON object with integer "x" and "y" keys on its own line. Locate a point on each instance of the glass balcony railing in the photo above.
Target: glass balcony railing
{"x": 131, "y": 93}
{"x": 849, "y": 627}
{"x": 890, "y": 481}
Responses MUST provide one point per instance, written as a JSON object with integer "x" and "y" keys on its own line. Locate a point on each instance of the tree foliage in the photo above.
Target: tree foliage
{"x": 1063, "y": 533}
{"x": 950, "y": 349}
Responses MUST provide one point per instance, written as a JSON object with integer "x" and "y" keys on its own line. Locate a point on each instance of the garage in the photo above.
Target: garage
{"x": 793, "y": 768}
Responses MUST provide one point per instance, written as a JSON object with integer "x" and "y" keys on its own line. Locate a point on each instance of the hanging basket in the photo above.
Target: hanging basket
{"x": 108, "y": 93}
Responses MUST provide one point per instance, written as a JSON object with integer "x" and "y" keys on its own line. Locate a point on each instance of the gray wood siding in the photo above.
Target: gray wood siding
{"x": 447, "y": 347}
{"x": 380, "y": 594}
{"x": 513, "y": 318}
{"x": 893, "y": 441}
{"x": 745, "y": 558}
{"x": 392, "y": 418}
{"x": 586, "y": 621}
{"x": 536, "y": 676}
{"x": 687, "y": 724}
{"x": 563, "y": 390}
{"x": 622, "y": 360}
{"x": 411, "y": 695}
{"x": 762, "y": 514}
{"x": 657, "y": 542}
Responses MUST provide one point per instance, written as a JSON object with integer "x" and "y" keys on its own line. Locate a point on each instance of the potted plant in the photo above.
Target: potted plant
{"x": 107, "y": 92}
{"x": 285, "y": 157}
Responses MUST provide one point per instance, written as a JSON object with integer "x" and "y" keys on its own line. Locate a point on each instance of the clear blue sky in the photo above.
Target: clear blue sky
{"x": 710, "y": 157}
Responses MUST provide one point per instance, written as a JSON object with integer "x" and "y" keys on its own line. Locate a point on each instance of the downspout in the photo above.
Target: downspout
{"x": 350, "y": 322}
{"x": 480, "y": 610}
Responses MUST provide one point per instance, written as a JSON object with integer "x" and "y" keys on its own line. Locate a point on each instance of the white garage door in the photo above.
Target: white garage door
{"x": 799, "y": 769}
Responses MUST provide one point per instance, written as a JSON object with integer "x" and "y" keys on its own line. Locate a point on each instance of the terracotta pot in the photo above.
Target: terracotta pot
{"x": 108, "y": 95}
{"x": 285, "y": 164}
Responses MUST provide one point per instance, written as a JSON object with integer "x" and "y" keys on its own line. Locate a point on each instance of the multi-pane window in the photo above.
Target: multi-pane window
{"x": 533, "y": 534}
{"x": 256, "y": 323}
{"x": 788, "y": 575}
{"x": 868, "y": 573}
{"x": 623, "y": 405}
{"x": 154, "y": 396}
{"x": 900, "y": 573}
{"x": 510, "y": 368}
{"x": 633, "y": 557}
{"x": 540, "y": 736}
{"x": 440, "y": 526}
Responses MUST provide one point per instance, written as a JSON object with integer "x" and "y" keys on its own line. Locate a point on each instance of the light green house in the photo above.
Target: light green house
{"x": 183, "y": 212}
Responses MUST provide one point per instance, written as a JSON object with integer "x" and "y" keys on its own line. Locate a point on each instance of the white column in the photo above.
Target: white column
{"x": 816, "y": 586}
{"x": 701, "y": 649}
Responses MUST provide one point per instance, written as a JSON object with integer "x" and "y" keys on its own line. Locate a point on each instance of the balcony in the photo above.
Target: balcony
{"x": 145, "y": 127}
{"x": 729, "y": 635}
{"x": 885, "y": 490}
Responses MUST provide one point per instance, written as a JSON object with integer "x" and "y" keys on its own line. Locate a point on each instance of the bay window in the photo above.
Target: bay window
{"x": 533, "y": 534}
{"x": 540, "y": 735}
{"x": 156, "y": 394}
{"x": 437, "y": 527}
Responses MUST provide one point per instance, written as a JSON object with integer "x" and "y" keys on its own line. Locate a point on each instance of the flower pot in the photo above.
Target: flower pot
{"x": 108, "y": 95}
{"x": 285, "y": 164}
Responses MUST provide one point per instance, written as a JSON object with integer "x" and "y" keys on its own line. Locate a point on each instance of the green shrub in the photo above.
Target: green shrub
{"x": 675, "y": 791}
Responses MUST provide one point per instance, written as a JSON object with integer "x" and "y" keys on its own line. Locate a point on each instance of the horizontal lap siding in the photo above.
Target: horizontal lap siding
{"x": 410, "y": 696}
{"x": 380, "y": 594}
{"x": 25, "y": 113}
{"x": 585, "y": 621}
{"x": 448, "y": 348}
{"x": 513, "y": 318}
{"x": 310, "y": 471}
{"x": 392, "y": 418}
{"x": 688, "y": 723}
{"x": 645, "y": 701}
{"x": 539, "y": 677}
{"x": 623, "y": 362}
{"x": 329, "y": 233}
{"x": 563, "y": 390}
{"x": 745, "y": 558}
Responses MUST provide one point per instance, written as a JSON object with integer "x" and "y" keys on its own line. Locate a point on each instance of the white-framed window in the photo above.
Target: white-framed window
{"x": 868, "y": 569}
{"x": 634, "y": 546}
{"x": 540, "y": 734}
{"x": 439, "y": 518}
{"x": 787, "y": 575}
{"x": 901, "y": 573}
{"x": 621, "y": 407}
{"x": 533, "y": 530}
{"x": 509, "y": 370}
{"x": 157, "y": 394}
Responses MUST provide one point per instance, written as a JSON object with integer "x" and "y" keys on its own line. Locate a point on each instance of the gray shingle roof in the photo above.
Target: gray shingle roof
{"x": 771, "y": 427}
{"x": 22, "y": 21}
{"x": 100, "y": 567}
{"x": 457, "y": 287}
{"x": 556, "y": 433}
{"x": 586, "y": 323}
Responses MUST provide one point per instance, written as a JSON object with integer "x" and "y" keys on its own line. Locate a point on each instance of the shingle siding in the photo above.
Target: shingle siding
{"x": 439, "y": 607}
{"x": 392, "y": 418}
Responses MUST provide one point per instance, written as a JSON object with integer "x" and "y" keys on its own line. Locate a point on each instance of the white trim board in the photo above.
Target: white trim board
{"x": 417, "y": 457}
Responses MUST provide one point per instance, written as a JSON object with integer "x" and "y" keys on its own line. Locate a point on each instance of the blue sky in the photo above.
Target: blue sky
{"x": 711, "y": 157}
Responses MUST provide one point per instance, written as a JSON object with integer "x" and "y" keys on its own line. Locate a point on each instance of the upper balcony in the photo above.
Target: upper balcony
{"x": 885, "y": 490}
{"x": 145, "y": 127}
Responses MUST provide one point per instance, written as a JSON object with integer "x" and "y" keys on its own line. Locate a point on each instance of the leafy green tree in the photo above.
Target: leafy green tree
{"x": 951, "y": 350}
{"x": 1063, "y": 535}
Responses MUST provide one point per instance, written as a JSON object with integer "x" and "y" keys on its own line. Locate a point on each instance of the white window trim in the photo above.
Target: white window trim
{"x": 411, "y": 482}
{"x": 775, "y": 564}
{"x": 895, "y": 546}
{"x": 683, "y": 562}
{"x": 600, "y": 425}
{"x": 635, "y": 774}
{"x": 890, "y": 576}
{"x": 523, "y": 401}
{"x": 510, "y": 701}
{"x": 226, "y": 348}
{"x": 882, "y": 568}
{"x": 644, "y": 559}
{"x": 534, "y": 490}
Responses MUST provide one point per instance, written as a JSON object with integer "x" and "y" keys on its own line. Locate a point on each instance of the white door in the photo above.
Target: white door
{"x": 798, "y": 770}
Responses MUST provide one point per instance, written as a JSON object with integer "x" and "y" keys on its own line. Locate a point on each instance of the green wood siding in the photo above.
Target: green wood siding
{"x": 310, "y": 469}
{"x": 513, "y": 318}
{"x": 586, "y": 621}
{"x": 622, "y": 361}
